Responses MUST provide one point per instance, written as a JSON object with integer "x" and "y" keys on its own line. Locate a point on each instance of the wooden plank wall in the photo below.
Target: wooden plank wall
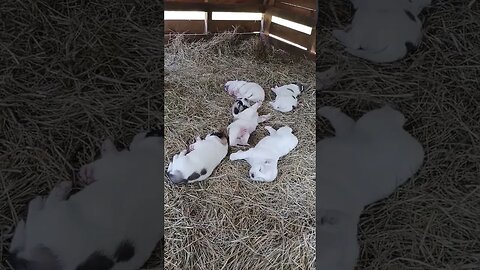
{"x": 299, "y": 11}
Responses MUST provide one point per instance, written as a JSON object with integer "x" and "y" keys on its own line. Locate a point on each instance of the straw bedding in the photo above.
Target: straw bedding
{"x": 71, "y": 74}
{"x": 228, "y": 222}
{"x": 431, "y": 222}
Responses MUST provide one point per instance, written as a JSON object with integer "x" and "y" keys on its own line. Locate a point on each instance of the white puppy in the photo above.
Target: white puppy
{"x": 365, "y": 162}
{"x": 239, "y": 106}
{"x": 113, "y": 223}
{"x": 243, "y": 89}
{"x": 385, "y": 33}
{"x": 244, "y": 124}
{"x": 286, "y": 97}
{"x": 198, "y": 162}
{"x": 263, "y": 158}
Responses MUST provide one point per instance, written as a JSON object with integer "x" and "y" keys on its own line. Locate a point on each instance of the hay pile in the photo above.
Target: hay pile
{"x": 71, "y": 74}
{"x": 227, "y": 222}
{"x": 432, "y": 222}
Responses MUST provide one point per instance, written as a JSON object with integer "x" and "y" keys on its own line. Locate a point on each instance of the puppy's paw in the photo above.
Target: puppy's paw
{"x": 86, "y": 174}
{"x": 234, "y": 156}
{"x": 108, "y": 147}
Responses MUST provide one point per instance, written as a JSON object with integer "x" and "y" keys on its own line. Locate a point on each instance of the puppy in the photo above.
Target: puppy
{"x": 198, "y": 162}
{"x": 247, "y": 90}
{"x": 244, "y": 124}
{"x": 113, "y": 223}
{"x": 239, "y": 106}
{"x": 263, "y": 158}
{"x": 365, "y": 162}
{"x": 385, "y": 33}
{"x": 286, "y": 97}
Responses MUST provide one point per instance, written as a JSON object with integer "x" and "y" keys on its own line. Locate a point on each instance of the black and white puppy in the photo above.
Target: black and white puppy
{"x": 199, "y": 161}
{"x": 239, "y": 106}
{"x": 113, "y": 223}
{"x": 383, "y": 31}
{"x": 286, "y": 97}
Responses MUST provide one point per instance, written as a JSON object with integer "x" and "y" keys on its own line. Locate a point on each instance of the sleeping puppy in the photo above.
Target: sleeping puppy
{"x": 286, "y": 97}
{"x": 365, "y": 162}
{"x": 239, "y": 106}
{"x": 263, "y": 158}
{"x": 245, "y": 90}
{"x": 382, "y": 35}
{"x": 244, "y": 124}
{"x": 198, "y": 161}
{"x": 113, "y": 223}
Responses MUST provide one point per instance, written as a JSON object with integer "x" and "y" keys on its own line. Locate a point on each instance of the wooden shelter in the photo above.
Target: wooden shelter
{"x": 303, "y": 12}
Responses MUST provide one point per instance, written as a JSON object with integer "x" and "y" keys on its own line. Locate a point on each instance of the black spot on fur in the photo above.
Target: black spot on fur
{"x": 235, "y": 110}
{"x": 96, "y": 261}
{"x": 291, "y": 90}
{"x": 294, "y": 97}
{"x": 193, "y": 176}
{"x": 155, "y": 133}
{"x": 125, "y": 251}
{"x": 410, "y": 15}
{"x": 218, "y": 134}
{"x": 203, "y": 172}
{"x": 410, "y": 47}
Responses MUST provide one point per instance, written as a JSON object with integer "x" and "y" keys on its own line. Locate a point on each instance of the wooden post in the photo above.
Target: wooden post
{"x": 208, "y": 22}
{"x": 313, "y": 34}
{"x": 267, "y": 17}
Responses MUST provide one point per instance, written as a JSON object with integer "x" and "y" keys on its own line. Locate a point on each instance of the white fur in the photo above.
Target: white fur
{"x": 123, "y": 203}
{"x": 204, "y": 154}
{"x": 380, "y": 29}
{"x": 365, "y": 162}
{"x": 244, "y": 124}
{"x": 263, "y": 158}
{"x": 286, "y": 97}
{"x": 243, "y": 89}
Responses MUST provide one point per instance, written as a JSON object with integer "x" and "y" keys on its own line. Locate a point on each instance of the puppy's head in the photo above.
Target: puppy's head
{"x": 265, "y": 171}
{"x": 176, "y": 177}
{"x": 382, "y": 119}
{"x": 40, "y": 258}
{"x": 239, "y": 106}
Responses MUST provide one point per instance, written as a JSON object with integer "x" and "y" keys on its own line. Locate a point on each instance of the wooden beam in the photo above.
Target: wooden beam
{"x": 298, "y": 15}
{"x": 305, "y": 4}
{"x": 184, "y": 26}
{"x": 289, "y": 34}
{"x": 291, "y": 49}
{"x": 208, "y": 22}
{"x": 194, "y": 6}
{"x": 313, "y": 35}
{"x": 197, "y": 37}
{"x": 267, "y": 16}
{"x": 242, "y": 26}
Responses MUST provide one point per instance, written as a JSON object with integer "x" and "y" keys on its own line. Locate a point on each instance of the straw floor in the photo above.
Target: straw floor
{"x": 228, "y": 222}
{"x": 71, "y": 74}
{"x": 431, "y": 222}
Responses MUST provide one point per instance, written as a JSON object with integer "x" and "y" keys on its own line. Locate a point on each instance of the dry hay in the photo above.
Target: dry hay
{"x": 71, "y": 75}
{"x": 228, "y": 222}
{"x": 432, "y": 222}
